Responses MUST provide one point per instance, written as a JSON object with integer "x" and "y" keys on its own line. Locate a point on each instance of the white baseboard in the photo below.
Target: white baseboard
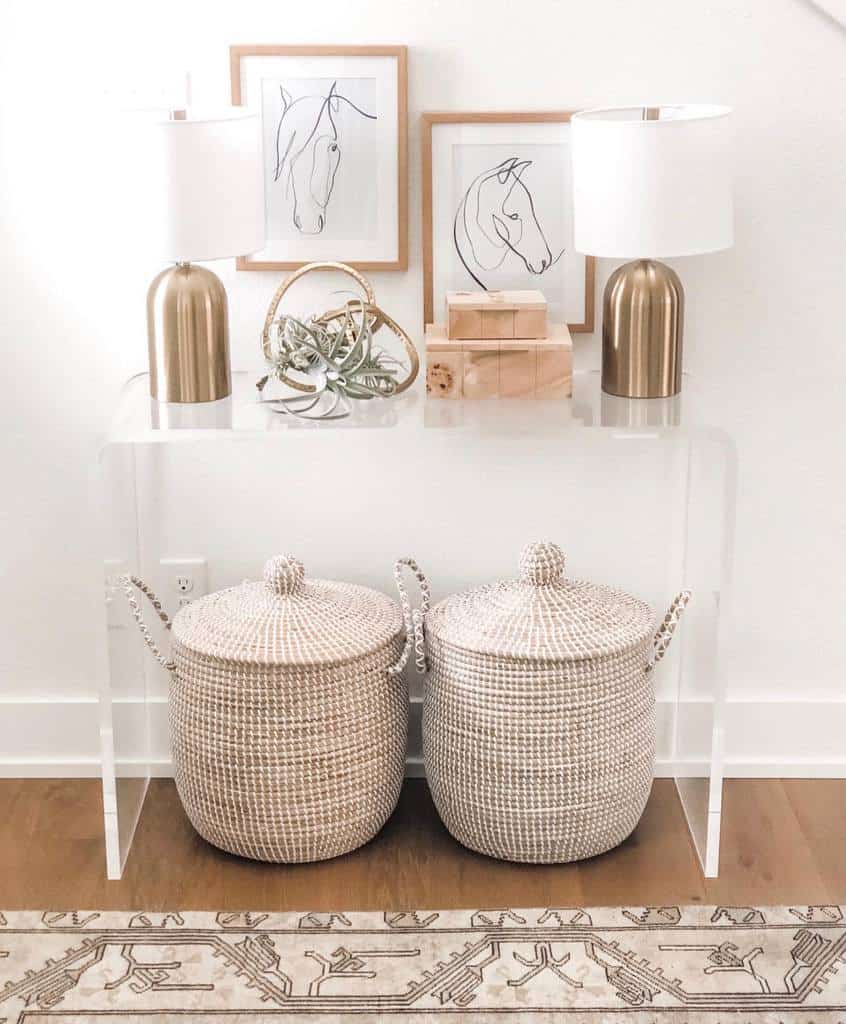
{"x": 46, "y": 738}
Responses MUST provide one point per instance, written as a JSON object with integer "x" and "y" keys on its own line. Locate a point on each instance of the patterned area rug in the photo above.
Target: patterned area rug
{"x": 648, "y": 965}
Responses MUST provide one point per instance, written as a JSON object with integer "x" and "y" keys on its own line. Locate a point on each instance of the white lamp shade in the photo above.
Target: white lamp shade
{"x": 202, "y": 177}
{"x": 652, "y": 188}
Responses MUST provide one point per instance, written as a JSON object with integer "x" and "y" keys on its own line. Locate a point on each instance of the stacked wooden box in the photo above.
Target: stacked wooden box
{"x": 498, "y": 345}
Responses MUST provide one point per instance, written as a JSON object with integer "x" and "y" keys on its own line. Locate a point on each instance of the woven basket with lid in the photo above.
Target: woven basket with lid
{"x": 288, "y": 712}
{"x": 539, "y": 712}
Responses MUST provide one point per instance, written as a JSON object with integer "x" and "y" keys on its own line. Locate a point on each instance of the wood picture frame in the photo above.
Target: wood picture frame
{"x": 307, "y": 63}
{"x": 430, "y": 122}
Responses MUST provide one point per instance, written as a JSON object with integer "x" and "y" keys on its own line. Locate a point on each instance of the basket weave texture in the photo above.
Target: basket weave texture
{"x": 288, "y": 727}
{"x": 539, "y": 714}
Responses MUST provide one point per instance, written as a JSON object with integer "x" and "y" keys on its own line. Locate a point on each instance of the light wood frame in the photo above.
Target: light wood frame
{"x": 428, "y": 121}
{"x": 401, "y": 55}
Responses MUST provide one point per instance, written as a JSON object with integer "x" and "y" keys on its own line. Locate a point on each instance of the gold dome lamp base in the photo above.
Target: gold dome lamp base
{"x": 642, "y": 324}
{"x": 188, "y": 335}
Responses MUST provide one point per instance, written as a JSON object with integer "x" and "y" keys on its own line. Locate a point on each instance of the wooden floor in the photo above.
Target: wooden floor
{"x": 783, "y": 842}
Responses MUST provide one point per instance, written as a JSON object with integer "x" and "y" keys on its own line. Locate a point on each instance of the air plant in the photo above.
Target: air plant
{"x": 336, "y": 356}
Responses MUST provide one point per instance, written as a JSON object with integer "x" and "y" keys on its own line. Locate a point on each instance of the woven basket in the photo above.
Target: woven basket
{"x": 288, "y": 711}
{"x": 539, "y": 712}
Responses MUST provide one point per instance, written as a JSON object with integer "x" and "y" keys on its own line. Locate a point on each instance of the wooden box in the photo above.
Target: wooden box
{"x": 539, "y": 368}
{"x": 495, "y": 316}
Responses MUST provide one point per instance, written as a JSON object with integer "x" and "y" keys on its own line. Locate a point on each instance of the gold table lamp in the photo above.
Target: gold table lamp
{"x": 649, "y": 182}
{"x": 205, "y": 172}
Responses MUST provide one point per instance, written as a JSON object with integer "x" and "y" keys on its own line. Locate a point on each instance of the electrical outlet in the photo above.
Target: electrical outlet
{"x": 185, "y": 578}
{"x": 184, "y": 584}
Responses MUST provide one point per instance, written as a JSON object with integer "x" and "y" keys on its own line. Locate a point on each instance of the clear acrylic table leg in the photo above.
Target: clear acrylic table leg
{"x": 698, "y": 728}
{"x": 124, "y": 728}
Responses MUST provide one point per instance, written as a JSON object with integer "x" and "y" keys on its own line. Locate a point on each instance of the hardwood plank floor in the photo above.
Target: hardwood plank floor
{"x": 784, "y": 841}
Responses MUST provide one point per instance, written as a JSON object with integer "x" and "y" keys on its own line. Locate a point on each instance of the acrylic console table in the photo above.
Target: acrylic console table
{"x": 640, "y": 494}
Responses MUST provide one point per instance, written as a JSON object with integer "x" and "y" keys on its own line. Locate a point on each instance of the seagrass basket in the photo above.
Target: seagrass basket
{"x": 288, "y": 711}
{"x": 539, "y": 712}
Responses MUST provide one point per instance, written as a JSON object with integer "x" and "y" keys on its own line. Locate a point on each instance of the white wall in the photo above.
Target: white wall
{"x": 764, "y": 320}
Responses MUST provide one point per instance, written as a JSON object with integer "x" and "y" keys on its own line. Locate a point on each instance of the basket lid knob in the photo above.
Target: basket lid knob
{"x": 541, "y": 563}
{"x": 284, "y": 574}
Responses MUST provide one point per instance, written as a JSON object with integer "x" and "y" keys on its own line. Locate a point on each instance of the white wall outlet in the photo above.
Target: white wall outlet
{"x": 184, "y": 579}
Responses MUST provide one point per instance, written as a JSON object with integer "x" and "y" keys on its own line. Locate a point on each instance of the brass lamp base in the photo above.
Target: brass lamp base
{"x": 643, "y": 317}
{"x": 188, "y": 336}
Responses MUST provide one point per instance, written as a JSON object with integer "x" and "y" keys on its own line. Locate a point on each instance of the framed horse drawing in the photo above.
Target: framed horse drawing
{"x": 335, "y": 151}
{"x": 497, "y": 212}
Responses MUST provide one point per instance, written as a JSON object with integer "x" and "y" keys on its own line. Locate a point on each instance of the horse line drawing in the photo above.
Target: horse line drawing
{"x": 496, "y": 217}
{"x": 308, "y": 154}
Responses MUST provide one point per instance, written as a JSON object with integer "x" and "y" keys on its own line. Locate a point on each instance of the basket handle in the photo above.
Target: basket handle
{"x": 413, "y": 617}
{"x": 663, "y": 637}
{"x": 128, "y": 582}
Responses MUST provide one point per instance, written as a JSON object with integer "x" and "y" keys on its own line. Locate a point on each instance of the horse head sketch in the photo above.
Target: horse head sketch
{"x": 308, "y": 154}
{"x": 497, "y": 216}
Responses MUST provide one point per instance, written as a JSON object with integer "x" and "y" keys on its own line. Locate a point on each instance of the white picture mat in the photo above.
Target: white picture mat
{"x": 569, "y": 270}
{"x": 384, "y": 245}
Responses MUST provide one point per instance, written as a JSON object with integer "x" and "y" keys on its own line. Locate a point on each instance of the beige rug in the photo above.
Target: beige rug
{"x": 647, "y": 965}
